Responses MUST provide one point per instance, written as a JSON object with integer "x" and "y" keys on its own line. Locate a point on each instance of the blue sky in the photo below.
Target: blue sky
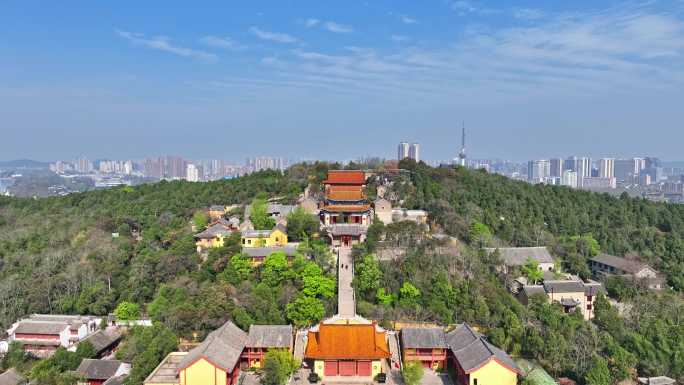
{"x": 324, "y": 79}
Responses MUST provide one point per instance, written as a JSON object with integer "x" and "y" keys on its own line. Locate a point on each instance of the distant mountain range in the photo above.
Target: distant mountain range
{"x": 24, "y": 163}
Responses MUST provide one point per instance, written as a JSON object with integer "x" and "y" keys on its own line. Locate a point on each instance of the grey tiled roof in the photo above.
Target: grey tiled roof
{"x": 212, "y": 231}
{"x": 623, "y": 264}
{"x": 222, "y": 347}
{"x": 347, "y": 229}
{"x": 419, "y": 338}
{"x": 270, "y": 336}
{"x": 461, "y": 337}
{"x": 257, "y": 233}
{"x": 289, "y": 250}
{"x": 40, "y": 327}
{"x": 563, "y": 286}
{"x": 103, "y": 339}
{"x": 98, "y": 369}
{"x": 531, "y": 290}
{"x": 517, "y": 256}
{"x": 472, "y": 350}
{"x": 167, "y": 370}
{"x": 12, "y": 377}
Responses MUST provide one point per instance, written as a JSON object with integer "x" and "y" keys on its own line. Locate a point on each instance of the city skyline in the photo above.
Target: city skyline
{"x": 582, "y": 75}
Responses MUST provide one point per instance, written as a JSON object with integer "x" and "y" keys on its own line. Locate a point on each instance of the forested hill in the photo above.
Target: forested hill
{"x": 521, "y": 214}
{"x": 58, "y": 255}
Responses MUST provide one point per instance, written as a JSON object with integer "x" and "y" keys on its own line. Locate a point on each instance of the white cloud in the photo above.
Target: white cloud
{"x": 337, "y": 28}
{"x": 528, "y": 14}
{"x": 309, "y": 23}
{"x": 161, "y": 43}
{"x": 464, "y": 7}
{"x": 221, "y": 42}
{"x": 625, "y": 49}
{"x": 273, "y": 36}
{"x": 407, "y": 20}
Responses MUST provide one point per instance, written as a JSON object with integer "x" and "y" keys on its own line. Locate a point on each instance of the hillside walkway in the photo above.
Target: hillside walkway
{"x": 346, "y": 301}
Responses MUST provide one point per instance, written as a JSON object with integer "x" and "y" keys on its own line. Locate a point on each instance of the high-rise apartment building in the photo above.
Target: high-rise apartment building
{"x": 556, "y": 167}
{"x": 414, "y": 151}
{"x": 265, "y": 163}
{"x": 538, "y": 170}
{"x": 627, "y": 170}
{"x": 569, "y": 178}
{"x": 583, "y": 169}
{"x": 606, "y": 168}
{"x": 83, "y": 165}
{"x": 193, "y": 173}
{"x": 403, "y": 151}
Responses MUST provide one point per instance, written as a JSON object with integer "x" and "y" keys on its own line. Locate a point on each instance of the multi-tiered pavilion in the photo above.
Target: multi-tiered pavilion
{"x": 346, "y": 212}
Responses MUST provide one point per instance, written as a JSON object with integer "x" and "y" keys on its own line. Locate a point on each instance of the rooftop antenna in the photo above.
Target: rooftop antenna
{"x": 462, "y": 153}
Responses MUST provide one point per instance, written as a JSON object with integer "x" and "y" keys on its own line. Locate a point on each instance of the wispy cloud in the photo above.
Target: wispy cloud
{"x": 528, "y": 14}
{"x": 221, "y": 42}
{"x": 311, "y": 22}
{"x": 407, "y": 20}
{"x": 273, "y": 36}
{"x": 464, "y": 7}
{"x": 585, "y": 53}
{"x": 162, "y": 43}
{"x": 337, "y": 28}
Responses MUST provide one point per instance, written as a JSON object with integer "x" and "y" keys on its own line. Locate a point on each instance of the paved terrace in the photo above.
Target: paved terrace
{"x": 346, "y": 302}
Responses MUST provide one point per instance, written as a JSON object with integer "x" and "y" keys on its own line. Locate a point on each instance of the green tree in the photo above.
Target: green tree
{"x": 412, "y": 372}
{"x": 305, "y": 311}
{"x": 259, "y": 215}
{"x": 273, "y": 269}
{"x": 598, "y": 374}
{"x": 127, "y": 311}
{"x": 301, "y": 225}
{"x": 480, "y": 235}
{"x": 367, "y": 275}
{"x": 145, "y": 347}
{"x": 532, "y": 272}
{"x": 316, "y": 284}
{"x": 279, "y": 364}
{"x": 242, "y": 265}
{"x": 15, "y": 356}
{"x": 200, "y": 219}
{"x": 383, "y": 298}
{"x": 409, "y": 295}
{"x": 85, "y": 350}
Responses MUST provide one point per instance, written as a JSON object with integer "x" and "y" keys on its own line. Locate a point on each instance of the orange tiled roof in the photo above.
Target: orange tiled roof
{"x": 345, "y": 193}
{"x": 346, "y": 177}
{"x": 347, "y": 208}
{"x": 347, "y": 342}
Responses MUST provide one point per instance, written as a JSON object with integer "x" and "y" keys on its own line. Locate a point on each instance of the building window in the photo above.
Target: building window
{"x": 588, "y": 306}
{"x": 589, "y": 297}
{"x": 474, "y": 381}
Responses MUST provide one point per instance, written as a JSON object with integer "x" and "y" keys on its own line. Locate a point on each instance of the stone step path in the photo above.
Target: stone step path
{"x": 346, "y": 301}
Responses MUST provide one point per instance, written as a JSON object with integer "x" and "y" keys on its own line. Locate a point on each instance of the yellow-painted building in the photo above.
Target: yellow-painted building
{"x": 216, "y": 361}
{"x": 474, "y": 361}
{"x": 204, "y": 372}
{"x": 264, "y": 238}
{"x": 493, "y": 373}
{"x": 214, "y": 235}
